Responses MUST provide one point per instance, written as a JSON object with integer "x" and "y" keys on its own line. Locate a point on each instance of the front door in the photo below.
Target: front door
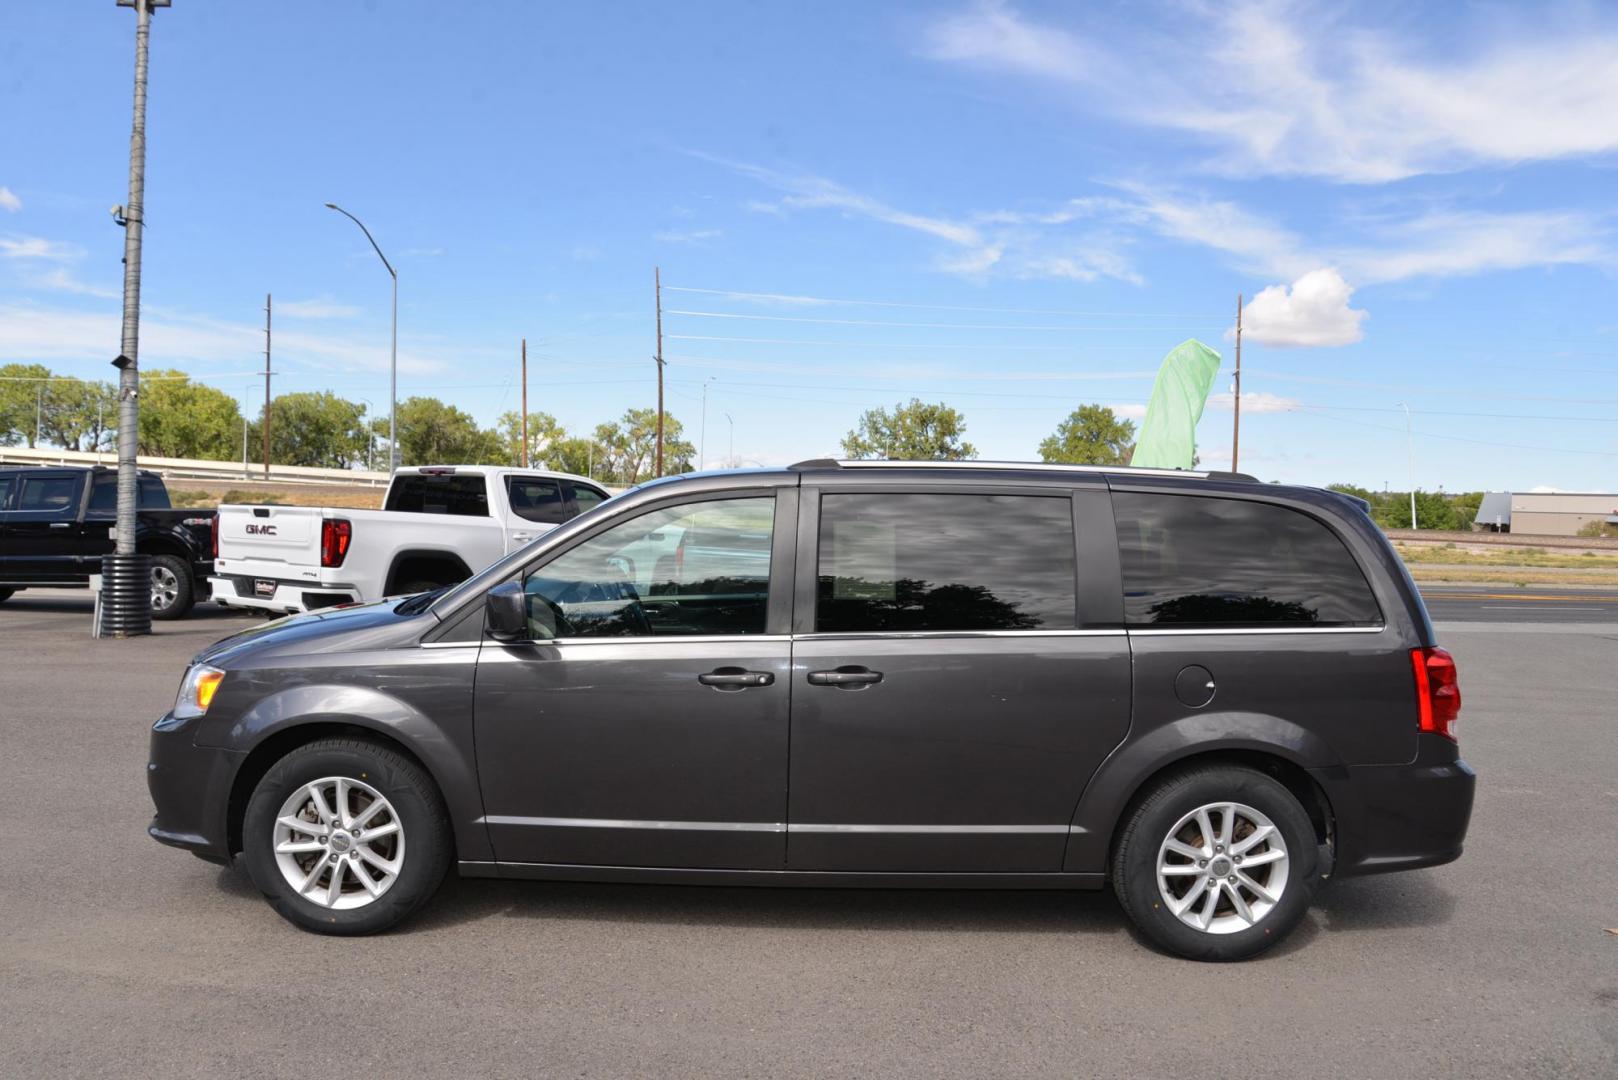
{"x": 43, "y": 532}
{"x": 952, "y": 693}
{"x": 644, "y": 722}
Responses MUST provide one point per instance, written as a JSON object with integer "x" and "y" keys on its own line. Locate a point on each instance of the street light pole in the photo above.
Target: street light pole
{"x": 702, "y": 448}
{"x": 1410, "y": 450}
{"x": 393, "y": 351}
{"x": 730, "y": 458}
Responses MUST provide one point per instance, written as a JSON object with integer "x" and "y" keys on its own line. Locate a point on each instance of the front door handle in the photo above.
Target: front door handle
{"x": 850, "y": 678}
{"x": 735, "y": 678}
{"x": 61, "y": 524}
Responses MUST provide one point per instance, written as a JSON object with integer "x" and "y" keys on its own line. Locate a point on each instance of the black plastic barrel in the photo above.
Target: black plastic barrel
{"x": 126, "y": 595}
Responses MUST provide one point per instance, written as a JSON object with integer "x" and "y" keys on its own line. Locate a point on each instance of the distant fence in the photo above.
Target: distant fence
{"x": 195, "y": 469}
{"x": 1508, "y": 540}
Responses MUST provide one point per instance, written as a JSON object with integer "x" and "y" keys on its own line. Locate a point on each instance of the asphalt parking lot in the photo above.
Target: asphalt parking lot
{"x": 120, "y": 957}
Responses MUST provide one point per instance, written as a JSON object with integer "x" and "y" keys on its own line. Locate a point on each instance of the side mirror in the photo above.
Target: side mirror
{"x": 507, "y": 611}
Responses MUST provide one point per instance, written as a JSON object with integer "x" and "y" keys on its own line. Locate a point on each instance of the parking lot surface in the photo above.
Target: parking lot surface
{"x": 119, "y": 957}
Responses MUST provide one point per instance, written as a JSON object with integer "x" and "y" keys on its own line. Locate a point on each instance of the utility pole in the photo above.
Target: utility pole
{"x": 525, "y": 403}
{"x": 1236, "y": 429}
{"x": 39, "y": 412}
{"x": 126, "y": 588}
{"x": 1410, "y": 451}
{"x": 657, "y": 285}
{"x": 266, "y": 386}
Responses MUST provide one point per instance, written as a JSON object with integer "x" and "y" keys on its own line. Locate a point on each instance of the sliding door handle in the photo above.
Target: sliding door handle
{"x": 735, "y": 678}
{"x": 849, "y": 678}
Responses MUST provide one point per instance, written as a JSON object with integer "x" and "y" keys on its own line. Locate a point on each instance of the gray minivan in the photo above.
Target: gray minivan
{"x": 1210, "y": 692}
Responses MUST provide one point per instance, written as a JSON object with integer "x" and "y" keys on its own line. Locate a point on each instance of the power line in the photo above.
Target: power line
{"x": 787, "y": 298}
{"x": 883, "y": 322}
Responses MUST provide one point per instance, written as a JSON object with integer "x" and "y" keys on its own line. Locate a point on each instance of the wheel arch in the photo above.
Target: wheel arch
{"x": 1267, "y": 744}
{"x": 405, "y": 565}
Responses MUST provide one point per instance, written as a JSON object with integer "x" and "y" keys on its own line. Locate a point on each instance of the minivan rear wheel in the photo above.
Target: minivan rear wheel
{"x": 1216, "y": 863}
{"x": 346, "y": 836}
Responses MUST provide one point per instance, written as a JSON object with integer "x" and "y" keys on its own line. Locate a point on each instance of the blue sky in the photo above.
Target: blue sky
{"x": 1016, "y": 208}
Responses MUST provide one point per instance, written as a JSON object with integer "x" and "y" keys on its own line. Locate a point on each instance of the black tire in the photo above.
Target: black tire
{"x": 1147, "y": 825}
{"x": 404, "y": 784}
{"x": 184, "y": 593}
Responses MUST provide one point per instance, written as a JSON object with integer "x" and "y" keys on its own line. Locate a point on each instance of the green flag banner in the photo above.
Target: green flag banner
{"x": 1168, "y": 435}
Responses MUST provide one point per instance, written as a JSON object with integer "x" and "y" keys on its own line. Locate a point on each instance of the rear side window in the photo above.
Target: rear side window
{"x": 538, "y": 499}
{"x": 459, "y": 496}
{"x": 586, "y": 498}
{"x": 150, "y": 493}
{"x": 1196, "y": 561}
{"x": 48, "y": 493}
{"x": 944, "y": 562}
{"x": 5, "y": 490}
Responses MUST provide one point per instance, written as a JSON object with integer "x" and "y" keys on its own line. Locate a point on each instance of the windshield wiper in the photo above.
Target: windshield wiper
{"x": 415, "y": 605}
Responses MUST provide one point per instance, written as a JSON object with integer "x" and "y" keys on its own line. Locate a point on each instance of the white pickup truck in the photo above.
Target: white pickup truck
{"x": 439, "y": 524}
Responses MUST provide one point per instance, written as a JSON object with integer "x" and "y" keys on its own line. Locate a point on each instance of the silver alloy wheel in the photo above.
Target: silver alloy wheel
{"x": 165, "y": 587}
{"x": 1222, "y": 868}
{"x": 338, "y": 842}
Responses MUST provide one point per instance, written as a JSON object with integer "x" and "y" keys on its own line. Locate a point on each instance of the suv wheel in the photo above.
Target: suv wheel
{"x": 171, "y": 587}
{"x": 346, "y": 837}
{"x": 1216, "y": 863}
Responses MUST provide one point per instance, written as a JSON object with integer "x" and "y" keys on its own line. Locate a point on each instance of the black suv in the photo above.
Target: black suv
{"x": 56, "y": 521}
{"x": 1210, "y": 692}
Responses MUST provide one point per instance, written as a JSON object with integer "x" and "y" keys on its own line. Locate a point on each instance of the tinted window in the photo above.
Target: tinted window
{"x": 104, "y": 495}
{"x": 50, "y": 493}
{"x": 153, "y": 495}
{"x": 945, "y": 562}
{"x": 701, "y": 568}
{"x": 1197, "y": 561}
{"x": 462, "y": 496}
{"x": 150, "y": 494}
{"x": 586, "y": 498}
{"x": 537, "y": 499}
{"x": 5, "y": 490}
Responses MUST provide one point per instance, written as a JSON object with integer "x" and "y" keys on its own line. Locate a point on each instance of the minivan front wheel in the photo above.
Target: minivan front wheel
{"x": 346, "y": 836}
{"x": 1217, "y": 863}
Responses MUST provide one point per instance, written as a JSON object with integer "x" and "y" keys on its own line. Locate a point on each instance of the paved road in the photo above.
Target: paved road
{"x": 122, "y": 958}
{"x": 1525, "y": 604}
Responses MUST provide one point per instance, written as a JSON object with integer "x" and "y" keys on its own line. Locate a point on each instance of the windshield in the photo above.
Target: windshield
{"x": 498, "y": 571}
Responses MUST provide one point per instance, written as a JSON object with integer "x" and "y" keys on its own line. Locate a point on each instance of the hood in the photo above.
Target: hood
{"x": 370, "y": 625}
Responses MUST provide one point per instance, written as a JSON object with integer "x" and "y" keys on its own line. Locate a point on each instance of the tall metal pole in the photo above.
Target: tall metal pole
{"x": 657, "y": 286}
{"x": 1236, "y": 429}
{"x": 266, "y": 386}
{"x": 393, "y": 350}
{"x": 1410, "y": 449}
{"x": 39, "y": 413}
{"x": 730, "y": 458}
{"x": 525, "y": 403}
{"x": 702, "y": 446}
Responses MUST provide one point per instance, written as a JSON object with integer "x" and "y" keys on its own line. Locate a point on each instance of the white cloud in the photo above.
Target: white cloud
{"x": 1285, "y": 88}
{"x": 688, "y": 236}
{"x": 323, "y": 308}
{"x": 9, "y": 200}
{"x": 34, "y": 247}
{"x": 1313, "y": 311}
{"x": 1131, "y": 410}
{"x": 1254, "y": 401}
{"x": 61, "y": 279}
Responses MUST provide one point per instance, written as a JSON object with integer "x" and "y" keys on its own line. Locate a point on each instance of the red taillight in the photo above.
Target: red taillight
{"x": 213, "y": 530}
{"x": 1438, "y": 691}
{"x": 334, "y": 536}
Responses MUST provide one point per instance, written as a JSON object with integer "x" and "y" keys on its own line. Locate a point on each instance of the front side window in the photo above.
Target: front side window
{"x": 1196, "y": 561}
{"x": 48, "y": 493}
{"x": 923, "y": 562}
{"x": 537, "y": 499}
{"x": 459, "y": 496}
{"x": 698, "y": 568}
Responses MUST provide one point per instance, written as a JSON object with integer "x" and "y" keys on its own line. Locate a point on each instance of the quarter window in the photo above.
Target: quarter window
{"x": 944, "y": 562}
{"x": 698, "y": 568}
{"x": 1199, "y": 561}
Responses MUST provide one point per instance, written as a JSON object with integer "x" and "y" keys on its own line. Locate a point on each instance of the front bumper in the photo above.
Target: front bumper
{"x": 1400, "y": 817}
{"x": 190, "y": 788}
{"x": 289, "y": 596}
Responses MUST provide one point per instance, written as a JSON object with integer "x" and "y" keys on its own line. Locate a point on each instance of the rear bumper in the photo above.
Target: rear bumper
{"x": 1401, "y": 817}
{"x": 289, "y": 596}
{"x": 190, "y": 787}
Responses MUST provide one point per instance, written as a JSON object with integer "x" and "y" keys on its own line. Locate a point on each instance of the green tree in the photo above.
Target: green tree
{"x": 180, "y": 417}
{"x": 543, "y": 435}
{"x": 315, "y": 429}
{"x": 573, "y": 455}
{"x": 917, "y": 431}
{"x": 20, "y": 388}
{"x": 626, "y": 449}
{"x": 433, "y": 433}
{"x": 1091, "y": 435}
{"x": 78, "y": 414}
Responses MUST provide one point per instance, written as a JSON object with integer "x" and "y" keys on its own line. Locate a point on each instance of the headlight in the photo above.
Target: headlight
{"x": 197, "y": 691}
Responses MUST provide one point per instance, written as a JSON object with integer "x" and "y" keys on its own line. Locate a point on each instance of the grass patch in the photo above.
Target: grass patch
{"x": 1449, "y": 555}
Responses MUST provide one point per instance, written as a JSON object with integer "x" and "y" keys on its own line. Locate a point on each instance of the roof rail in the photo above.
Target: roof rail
{"x": 1042, "y": 466}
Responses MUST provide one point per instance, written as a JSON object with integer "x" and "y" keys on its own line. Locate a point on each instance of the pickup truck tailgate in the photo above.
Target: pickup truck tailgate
{"x": 284, "y": 535}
